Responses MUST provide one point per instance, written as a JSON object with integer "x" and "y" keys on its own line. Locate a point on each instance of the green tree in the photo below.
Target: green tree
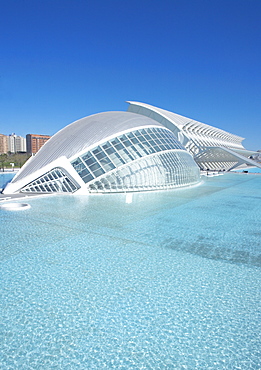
{"x": 3, "y": 159}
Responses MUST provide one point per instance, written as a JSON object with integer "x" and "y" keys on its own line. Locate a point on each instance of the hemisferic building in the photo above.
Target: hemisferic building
{"x": 145, "y": 148}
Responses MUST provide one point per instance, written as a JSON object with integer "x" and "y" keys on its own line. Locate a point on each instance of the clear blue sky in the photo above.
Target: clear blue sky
{"x": 61, "y": 60}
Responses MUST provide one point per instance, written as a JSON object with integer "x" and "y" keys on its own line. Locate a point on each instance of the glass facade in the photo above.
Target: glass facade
{"x": 161, "y": 171}
{"x": 145, "y": 159}
{"x": 55, "y": 181}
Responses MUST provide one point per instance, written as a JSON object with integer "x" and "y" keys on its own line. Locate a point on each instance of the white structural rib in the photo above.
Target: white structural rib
{"x": 200, "y": 139}
{"x": 201, "y": 133}
{"x": 211, "y": 156}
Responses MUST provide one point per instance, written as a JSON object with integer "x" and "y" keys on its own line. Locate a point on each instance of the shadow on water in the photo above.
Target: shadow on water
{"x": 207, "y": 250}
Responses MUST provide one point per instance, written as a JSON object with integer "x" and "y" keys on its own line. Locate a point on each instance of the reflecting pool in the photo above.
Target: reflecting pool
{"x": 160, "y": 280}
{"x": 5, "y": 177}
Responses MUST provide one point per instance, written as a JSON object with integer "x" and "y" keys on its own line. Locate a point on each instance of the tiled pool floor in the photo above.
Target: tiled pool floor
{"x": 169, "y": 281}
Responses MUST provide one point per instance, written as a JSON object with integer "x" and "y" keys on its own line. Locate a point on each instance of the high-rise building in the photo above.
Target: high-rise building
{"x": 3, "y": 144}
{"x": 16, "y": 143}
{"x": 35, "y": 142}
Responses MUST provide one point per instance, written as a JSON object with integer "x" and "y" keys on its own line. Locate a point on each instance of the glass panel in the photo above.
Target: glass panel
{"x": 52, "y": 186}
{"x": 64, "y": 187}
{"x": 134, "y": 140}
{"x": 169, "y": 146}
{"x": 80, "y": 166}
{"x": 84, "y": 172}
{"x": 123, "y": 138}
{"x": 142, "y": 139}
{"x": 76, "y": 162}
{"x": 95, "y": 166}
{"x": 96, "y": 151}
{"x": 130, "y": 134}
{"x": 147, "y": 137}
{"x": 105, "y": 160}
{"x": 151, "y": 149}
{"x": 98, "y": 172}
{"x": 127, "y": 143}
{"x": 157, "y": 141}
{"x": 134, "y": 151}
{"x": 109, "y": 150}
{"x": 153, "y": 136}
{"x": 101, "y": 155}
{"x": 116, "y": 159}
{"x": 55, "y": 175}
{"x": 117, "y": 145}
{"x": 105, "y": 146}
{"x": 91, "y": 161}
{"x": 86, "y": 156}
{"x": 114, "y": 142}
{"x": 48, "y": 187}
{"x": 143, "y": 149}
{"x": 88, "y": 178}
{"x": 108, "y": 166}
{"x": 125, "y": 155}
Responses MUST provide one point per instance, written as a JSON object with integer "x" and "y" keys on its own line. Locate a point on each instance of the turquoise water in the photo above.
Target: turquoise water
{"x": 254, "y": 170}
{"x": 5, "y": 177}
{"x": 250, "y": 170}
{"x": 169, "y": 281}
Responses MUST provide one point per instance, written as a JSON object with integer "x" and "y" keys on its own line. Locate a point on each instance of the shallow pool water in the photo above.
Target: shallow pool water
{"x": 168, "y": 281}
{"x": 6, "y": 177}
{"x": 250, "y": 170}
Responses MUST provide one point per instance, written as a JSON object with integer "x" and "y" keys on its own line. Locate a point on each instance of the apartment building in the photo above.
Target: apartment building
{"x": 3, "y": 144}
{"x": 35, "y": 142}
{"x": 16, "y": 144}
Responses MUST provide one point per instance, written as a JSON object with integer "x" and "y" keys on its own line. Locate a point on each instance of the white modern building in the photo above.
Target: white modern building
{"x": 212, "y": 148}
{"x": 108, "y": 152}
{"x": 145, "y": 148}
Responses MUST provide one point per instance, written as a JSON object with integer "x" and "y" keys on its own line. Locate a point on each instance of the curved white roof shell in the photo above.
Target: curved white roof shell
{"x": 82, "y": 134}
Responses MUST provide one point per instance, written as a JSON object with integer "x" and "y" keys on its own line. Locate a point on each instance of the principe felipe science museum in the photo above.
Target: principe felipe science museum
{"x": 143, "y": 149}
